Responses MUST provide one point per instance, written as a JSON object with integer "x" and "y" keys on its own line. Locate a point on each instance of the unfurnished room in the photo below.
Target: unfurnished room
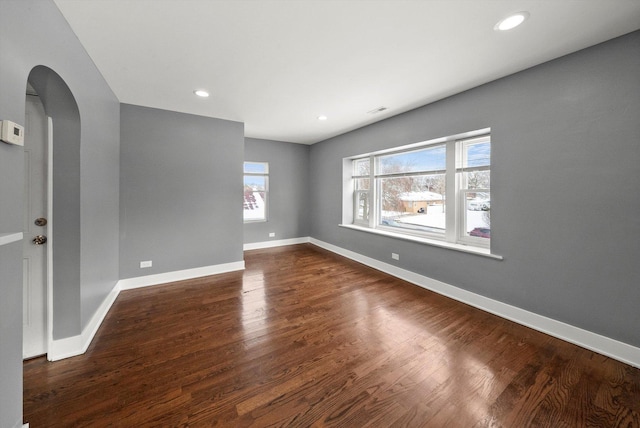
{"x": 319, "y": 213}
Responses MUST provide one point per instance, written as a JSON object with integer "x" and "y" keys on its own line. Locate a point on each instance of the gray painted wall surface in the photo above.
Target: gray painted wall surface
{"x": 288, "y": 190}
{"x": 181, "y": 191}
{"x": 10, "y": 336}
{"x": 32, "y": 33}
{"x": 565, "y": 163}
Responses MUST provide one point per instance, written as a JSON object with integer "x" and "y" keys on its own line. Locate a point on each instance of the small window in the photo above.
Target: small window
{"x": 256, "y": 191}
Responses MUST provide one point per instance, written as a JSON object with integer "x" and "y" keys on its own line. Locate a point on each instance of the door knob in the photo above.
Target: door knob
{"x": 39, "y": 240}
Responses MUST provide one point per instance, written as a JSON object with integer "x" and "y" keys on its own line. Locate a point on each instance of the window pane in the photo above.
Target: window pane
{"x": 255, "y": 197}
{"x": 476, "y": 153}
{"x": 256, "y": 182}
{"x": 361, "y": 167}
{"x": 413, "y": 203}
{"x": 477, "y": 180}
{"x": 362, "y": 206}
{"x": 478, "y": 214}
{"x": 362, "y": 183}
{"x": 433, "y": 158}
{"x": 256, "y": 167}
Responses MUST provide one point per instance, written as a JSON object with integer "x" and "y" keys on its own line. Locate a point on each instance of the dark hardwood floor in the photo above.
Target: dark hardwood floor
{"x": 304, "y": 338}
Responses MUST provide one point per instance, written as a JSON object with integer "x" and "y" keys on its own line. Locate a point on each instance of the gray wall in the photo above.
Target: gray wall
{"x": 33, "y": 33}
{"x": 10, "y": 335}
{"x": 288, "y": 190}
{"x": 565, "y": 204}
{"x": 181, "y": 191}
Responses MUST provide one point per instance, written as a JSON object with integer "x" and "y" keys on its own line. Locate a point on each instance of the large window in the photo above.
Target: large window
{"x": 256, "y": 190}
{"x": 435, "y": 190}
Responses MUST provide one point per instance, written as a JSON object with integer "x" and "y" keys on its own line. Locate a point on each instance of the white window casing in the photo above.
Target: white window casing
{"x": 434, "y": 191}
{"x": 256, "y": 192}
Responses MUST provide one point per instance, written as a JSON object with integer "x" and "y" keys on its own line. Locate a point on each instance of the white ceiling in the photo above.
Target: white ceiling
{"x": 276, "y": 65}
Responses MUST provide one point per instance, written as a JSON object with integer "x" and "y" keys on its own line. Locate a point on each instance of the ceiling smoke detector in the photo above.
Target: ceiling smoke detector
{"x": 377, "y": 110}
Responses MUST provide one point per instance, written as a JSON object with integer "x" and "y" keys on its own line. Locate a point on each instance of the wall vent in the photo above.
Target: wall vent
{"x": 377, "y": 110}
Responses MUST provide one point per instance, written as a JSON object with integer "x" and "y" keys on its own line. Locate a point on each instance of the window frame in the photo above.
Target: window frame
{"x": 265, "y": 175}
{"x": 378, "y": 187}
{"x": 357, "y": 192}
{"x": 455, "y": 207}
{"x": 463, "y": 189}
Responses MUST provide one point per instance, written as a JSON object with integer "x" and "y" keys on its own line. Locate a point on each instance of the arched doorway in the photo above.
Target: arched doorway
{"x": 63, "y": 245}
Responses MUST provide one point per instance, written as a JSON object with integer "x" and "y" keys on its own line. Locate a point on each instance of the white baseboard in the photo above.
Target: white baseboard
{"x": 601, "y": 344}
{"x": 180, "y": 275}
{"x": 77, "y": 345}
{"x": 276, "y": 243}
{"x": 65, "y": 348}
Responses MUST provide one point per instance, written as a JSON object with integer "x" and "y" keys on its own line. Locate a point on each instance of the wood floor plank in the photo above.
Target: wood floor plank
{"x": 303, "y": 337}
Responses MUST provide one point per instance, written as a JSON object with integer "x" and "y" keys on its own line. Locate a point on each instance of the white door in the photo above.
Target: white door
{"x": 35, "y": 229}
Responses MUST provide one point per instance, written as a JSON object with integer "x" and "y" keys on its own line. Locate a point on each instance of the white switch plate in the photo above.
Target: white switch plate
{"x": 272, "y": 234}
{"x": 395, "y": 256}
{"x": 146, "y": 264}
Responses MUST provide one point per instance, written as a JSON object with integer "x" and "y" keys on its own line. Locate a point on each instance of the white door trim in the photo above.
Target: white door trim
{"x": 49, "y": 236}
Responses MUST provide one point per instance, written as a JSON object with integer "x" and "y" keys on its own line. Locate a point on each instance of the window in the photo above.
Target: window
{"x": 256, "y": 190}
{"x": 434, "y": 190}
{"x": 473, "y": 167}
{"x": 361, "y": 171}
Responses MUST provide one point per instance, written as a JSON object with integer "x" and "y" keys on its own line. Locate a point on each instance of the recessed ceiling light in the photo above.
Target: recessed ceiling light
{"x": 201, "y": 93}
{"x": 511, "y": 21}
{"x": 323, "y": 117}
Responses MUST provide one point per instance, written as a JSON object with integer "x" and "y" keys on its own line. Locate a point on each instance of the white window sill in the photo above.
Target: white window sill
{"x": 485, "y": 252}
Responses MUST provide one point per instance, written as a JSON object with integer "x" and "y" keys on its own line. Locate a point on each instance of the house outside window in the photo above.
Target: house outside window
{"x": 256, "y": 191}
{"x": 435, "y": 190}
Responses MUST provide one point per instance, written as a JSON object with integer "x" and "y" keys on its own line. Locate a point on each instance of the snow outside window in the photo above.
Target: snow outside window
{"x": 473, "y": 167}
{"x": 256, "y": 190}
{"x": 435, "y": 190}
